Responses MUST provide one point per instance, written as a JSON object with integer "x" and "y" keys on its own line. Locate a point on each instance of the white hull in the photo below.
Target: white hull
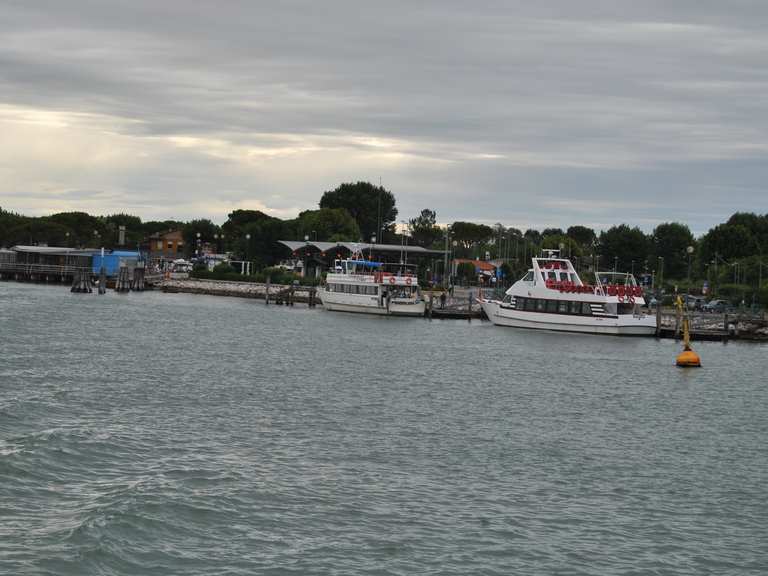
{"x": 623, "y": 325}
{"x": 367, "y": 305}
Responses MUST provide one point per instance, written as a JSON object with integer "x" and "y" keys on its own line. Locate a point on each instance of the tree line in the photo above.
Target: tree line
{"x": 729, "y": 253}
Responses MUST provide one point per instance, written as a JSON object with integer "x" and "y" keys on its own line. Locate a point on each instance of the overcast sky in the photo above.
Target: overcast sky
{"x": 532, "y": 114}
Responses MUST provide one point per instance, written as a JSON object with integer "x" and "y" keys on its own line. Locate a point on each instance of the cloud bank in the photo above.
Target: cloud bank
{"x": 592, "y": 113}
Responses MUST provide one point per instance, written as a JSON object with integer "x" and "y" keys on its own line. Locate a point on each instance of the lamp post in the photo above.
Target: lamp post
{"x": 306, "y": 256}
{"x": 689, "y": 250}
{"x": 370, "y": 250}
{"x": 197, "y": 251}
{"x": 247, "y": 253}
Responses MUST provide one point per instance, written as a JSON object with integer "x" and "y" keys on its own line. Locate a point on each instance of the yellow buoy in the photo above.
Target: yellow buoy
{"x": 687, "y": 358}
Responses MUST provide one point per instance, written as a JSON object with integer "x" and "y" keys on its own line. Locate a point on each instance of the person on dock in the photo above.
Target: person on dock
{"x": 442, "y": 300}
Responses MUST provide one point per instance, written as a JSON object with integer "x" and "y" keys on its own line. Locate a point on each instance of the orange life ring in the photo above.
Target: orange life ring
{"x": 621, "y": 298}
{"x": 391, "y": 279}
{"x": 631, "y": 299}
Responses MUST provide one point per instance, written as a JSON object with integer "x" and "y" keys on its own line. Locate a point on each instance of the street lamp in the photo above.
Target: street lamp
{"x": 198, "y": 235}
{"x": 689, "y": 250}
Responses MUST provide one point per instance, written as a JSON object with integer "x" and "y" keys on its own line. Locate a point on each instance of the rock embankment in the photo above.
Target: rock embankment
{"x": 236, "y": 289}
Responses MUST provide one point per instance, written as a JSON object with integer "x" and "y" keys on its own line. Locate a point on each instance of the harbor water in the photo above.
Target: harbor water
{"x": 178, "y": 434}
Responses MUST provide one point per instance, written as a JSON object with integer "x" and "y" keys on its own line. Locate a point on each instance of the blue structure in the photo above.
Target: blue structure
{"x": 113, "y": 259}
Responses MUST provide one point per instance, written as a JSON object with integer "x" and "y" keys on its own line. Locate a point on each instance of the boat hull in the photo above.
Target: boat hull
{"x": 372, "y": 307}
{"x": 624, "y": 325}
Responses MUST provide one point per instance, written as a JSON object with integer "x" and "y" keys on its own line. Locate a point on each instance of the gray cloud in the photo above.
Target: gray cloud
{"x": 589, "y": 112}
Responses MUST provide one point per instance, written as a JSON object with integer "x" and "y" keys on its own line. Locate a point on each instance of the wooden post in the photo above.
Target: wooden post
{"x": 266, "y": 290}
{"x": 102, "y": 280}
{"x": 658, "y": 319}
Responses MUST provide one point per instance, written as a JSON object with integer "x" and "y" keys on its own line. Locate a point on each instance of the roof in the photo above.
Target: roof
{"x": 54, "y": 250}
{"x": 353, "y": 246}
{"x": 479, "y": 264}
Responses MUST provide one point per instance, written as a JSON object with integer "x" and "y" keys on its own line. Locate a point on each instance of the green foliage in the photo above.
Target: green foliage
{"x": 728, "y": 241}
{"x": 190, "y": 232}
{"x": 466, "y": 271}
{"x": 670, "y": 241}
{"x": 424, "y": 229}
{"x": 468, "y": 234}
{"x": 583, "y": 236}
{"x": 368, "y": 204}
{"x": 533, "y": 236}
{"x": 327, "y": 224}
{"x": 624, "y": 244}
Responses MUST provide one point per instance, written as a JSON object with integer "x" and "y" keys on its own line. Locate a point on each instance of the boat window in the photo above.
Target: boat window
{"x": 528, "y": 277}
{"x": 562, "y": 307}
{"x": 541, "y": 305}
{"x": 552, "y": 275}
{"x": 543, "y": 275}
{"x": 563, "y": 276}
{"x": 610, "y": 308}
{"x": 551, "y": 305}
{"x": 575, "y": 308}
{"x": 530, "y": 304}
{"x": 586, "y": 309}
{"x": 626, "y": 308}
{"x": 573, "y": 278}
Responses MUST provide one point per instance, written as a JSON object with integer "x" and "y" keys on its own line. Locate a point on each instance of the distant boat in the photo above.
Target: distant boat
{"x": 363, "y": 286}
{"x": 552, "y": 296}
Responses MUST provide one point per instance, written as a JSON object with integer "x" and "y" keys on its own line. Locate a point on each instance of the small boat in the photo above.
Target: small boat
{"x": 552, "y": 296}
{"x": 359, "y": 285}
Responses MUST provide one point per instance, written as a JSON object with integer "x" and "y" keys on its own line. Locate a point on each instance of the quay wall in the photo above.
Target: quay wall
{"x": 232, "y": 288}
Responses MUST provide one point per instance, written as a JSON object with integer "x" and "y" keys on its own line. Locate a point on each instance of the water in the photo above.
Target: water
{"x": 174, "y": 434}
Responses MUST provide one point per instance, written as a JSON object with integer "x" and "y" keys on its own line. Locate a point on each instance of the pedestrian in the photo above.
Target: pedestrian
{"x": 442, "y": 300}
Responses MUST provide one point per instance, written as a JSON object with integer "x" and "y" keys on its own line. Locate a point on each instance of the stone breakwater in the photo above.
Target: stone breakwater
{"x": 236, "y": 289}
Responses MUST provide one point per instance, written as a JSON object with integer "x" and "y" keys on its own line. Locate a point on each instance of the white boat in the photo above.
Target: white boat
{"x": 359, "y": 285}
{"x": 552, "y": 296}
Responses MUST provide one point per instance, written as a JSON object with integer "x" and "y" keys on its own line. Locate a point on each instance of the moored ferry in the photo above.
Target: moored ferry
{"x": 359, "y": 285}
{"x": 552, "y": 296}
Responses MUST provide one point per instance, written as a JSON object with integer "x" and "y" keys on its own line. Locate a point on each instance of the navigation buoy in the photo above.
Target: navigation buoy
{"x": 687, "y": 358}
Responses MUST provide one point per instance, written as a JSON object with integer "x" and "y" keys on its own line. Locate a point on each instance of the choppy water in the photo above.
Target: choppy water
{"x": 173, "y": 434}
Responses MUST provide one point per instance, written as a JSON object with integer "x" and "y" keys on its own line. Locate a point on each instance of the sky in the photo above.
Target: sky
{"x": 531, "y": 114}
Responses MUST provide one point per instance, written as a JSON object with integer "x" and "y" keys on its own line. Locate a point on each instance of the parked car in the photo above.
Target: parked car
{"x": 718, "y": 306}
{"x": 693, "y": 302}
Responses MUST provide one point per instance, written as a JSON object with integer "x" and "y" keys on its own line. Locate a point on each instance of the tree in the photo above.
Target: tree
{"x": 728, "y": 241}
{"x": 326, "y": 224}
{"x": 262, "y": 247}
{"x": 466, "y": 271}
{"x": 533, "y": 236}
{"x": 552, "y": 232}
{"x": 86, "y": 230}
{"x": 670, "y": 241}
{"x": 620, "y": 245}
{"x": 468, "y": 234}
{"x": 202, "y": 226}
{"x": 582, "y": 235}
{"x": 424, "y": 229}
{"x": 371, "y": 206}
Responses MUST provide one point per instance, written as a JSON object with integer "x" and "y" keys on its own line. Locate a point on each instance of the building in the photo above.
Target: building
{"x": 114, "y": 260}
{"x": 166, "y": 245}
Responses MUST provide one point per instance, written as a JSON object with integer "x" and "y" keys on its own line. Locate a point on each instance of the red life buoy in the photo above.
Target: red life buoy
{"x": 408, "y": 280}
{"x": 631, "y": 299}
{"x": 621, "y": 298}
{"x": 391, "y": 279}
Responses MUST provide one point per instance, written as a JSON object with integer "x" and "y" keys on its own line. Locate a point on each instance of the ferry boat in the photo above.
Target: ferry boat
{"x": 552, "y": 296}
{"x": 359, "y": 285}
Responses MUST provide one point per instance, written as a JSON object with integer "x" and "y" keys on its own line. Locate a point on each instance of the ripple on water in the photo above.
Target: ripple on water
{"x": 170, "y": 434}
